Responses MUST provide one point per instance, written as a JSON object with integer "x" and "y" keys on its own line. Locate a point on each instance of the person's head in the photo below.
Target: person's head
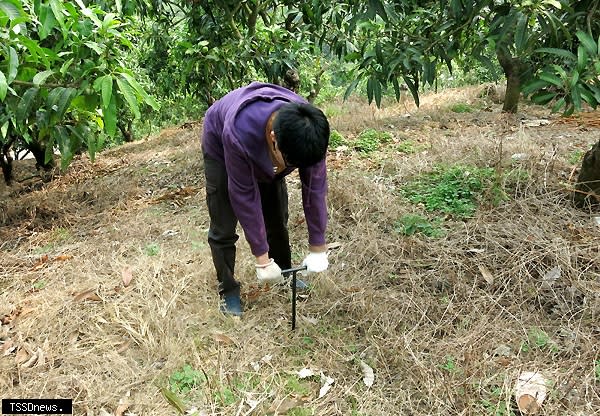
{"x": 302, "y": 134}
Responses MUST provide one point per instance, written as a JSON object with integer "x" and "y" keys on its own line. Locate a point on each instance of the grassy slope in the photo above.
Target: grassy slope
{"x": 446, "y": 324}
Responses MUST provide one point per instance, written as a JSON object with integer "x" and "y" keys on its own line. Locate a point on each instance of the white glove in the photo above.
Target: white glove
{"x": 316, "y": 262}
{"x": 269, "y": 273}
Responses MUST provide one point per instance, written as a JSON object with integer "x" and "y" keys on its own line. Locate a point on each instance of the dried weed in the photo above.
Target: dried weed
{"x": 446, "y": 323}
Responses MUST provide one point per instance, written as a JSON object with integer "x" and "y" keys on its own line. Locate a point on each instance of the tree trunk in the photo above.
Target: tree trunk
{"x": 513, "y": 68}
{"x": 6, "y": 161}
{"x": 6, "y": 165}
{"x": 588, "y": 183}
{"x": 38, "y": 149}
{"x": 314, "y": 91}
{"x": 126, "y": 131}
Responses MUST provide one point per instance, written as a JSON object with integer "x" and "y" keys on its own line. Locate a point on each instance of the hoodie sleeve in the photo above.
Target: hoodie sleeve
{"x": 245, "y": 196}
{"x": 314, "y": 201}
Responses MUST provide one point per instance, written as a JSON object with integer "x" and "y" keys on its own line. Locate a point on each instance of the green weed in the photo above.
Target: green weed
{"x": 454, "y": 190}
{"x": 598, "y": 370}
{"x": 60, "y": 235}
{"x": 300, "y": 411}
{"x": 152, "y": 249}
{"x": 57, "y": 236}
{"x": 461, "y": 108}
{"x": 39, "y": 285}
{"x": 450, "y": 364}
{"x": 186, "y": 379}
{"x": 496, "y": 405}
{"x": 336, "y": 139}
{"x": 226, "y": 397}
{"x": 308, "y": 341}
{"x": 410, "y": 147}
{"x": 497, "y": 409}
{"x": 538, "y": 338}
{"x": 46, "y": 248}
{"x": 297, "y": 386}
{"x": 370, "y": 139}
{"x": 412, "y": 224}
{"x": 333, "y": 111}
{"x": 575, "y": 157}
{"x": 198, "y": 245}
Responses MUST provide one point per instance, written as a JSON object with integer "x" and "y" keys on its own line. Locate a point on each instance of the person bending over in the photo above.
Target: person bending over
{"x": 252, "y": 139}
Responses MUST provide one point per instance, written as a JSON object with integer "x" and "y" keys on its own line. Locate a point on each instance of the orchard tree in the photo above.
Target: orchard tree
{"x": 394, "y": 42}
{"x": 63, "y": 82}
{"x": 205, "y": 48}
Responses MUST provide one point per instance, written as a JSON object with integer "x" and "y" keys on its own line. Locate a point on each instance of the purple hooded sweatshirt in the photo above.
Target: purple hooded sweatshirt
{"x": 235, "y": 134}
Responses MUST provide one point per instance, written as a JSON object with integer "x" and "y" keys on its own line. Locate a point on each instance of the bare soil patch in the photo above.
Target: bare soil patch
{"x": 107, "y": 290}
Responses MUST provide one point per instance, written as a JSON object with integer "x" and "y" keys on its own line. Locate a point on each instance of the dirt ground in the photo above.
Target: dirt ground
{"x": 108, "y": 295}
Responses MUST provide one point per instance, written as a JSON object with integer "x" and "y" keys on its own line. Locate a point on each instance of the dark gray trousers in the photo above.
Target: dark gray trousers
{"x": 222, "y": 235}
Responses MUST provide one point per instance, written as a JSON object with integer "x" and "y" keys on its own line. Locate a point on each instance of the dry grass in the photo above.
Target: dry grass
{"x": 446, "y": 323}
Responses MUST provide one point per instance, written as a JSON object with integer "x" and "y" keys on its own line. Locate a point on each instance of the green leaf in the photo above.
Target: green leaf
{"x": 560, "y": 71}
{"x": 569, "y": 110}
{"x": 65, "y": 96}
{"x": 173, "y": 400}
{"x": 9, "y": 10}
{"x": 350, "y": 89}
{"x": 4, "y": 130}
{"x": 576, "y": 95}
{"x": 47, "y": 20}
{"x": 554, "y": 3}
{"x": 551, "y": 78}
{"x": 575, "y": 79}
{"x": 83, "y": 135}
{"x": 582, "y": 58}
{"x": 57, "y": 10}
{"x": 109, "y": 20}
{"x": 520, "y": 33}
{"x": 151, "y": 101}
{"x": 543, "y": 99}
{"x": 559, "y": 104}
{"x": 396, "y": 88}
{"x": 588, "y": 42}
{"x": 377, "y": 6}
{"x": 44, "y": 55}
{"x": 13, "y": 64}
{"x": 66, "y": 145}
{"x": 3, "y": 86}
{"x": 107, "y": 90}
{"x": 26, "y": 104}
{"x": 412, "y": 86}
{"x": 377, "y": 92}
{"x": 130, "y": 97}
{"x": 456, "y": 6}
{"x": 370, "y": 83}
{"x": 18, "y": 26}
{"x": 65, "y": 66}
{"x": 379, "y": 52}
{"x": 110, "y": 116}
{"x": 429, "y": 71}
{"x": 559, "y": 52}
{"x": 49, "y": 150}
{"x": 588, "y": 97}
{"x": 41, "y": 77}
{"x": 95, "y": 47}
{"x": 534, "y": 86}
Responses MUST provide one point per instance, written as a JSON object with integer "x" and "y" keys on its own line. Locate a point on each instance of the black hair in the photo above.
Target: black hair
{"x": 302, "y": 134}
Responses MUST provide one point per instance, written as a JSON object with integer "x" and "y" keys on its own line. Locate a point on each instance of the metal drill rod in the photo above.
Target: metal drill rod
{"x": 286, "y": 273}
